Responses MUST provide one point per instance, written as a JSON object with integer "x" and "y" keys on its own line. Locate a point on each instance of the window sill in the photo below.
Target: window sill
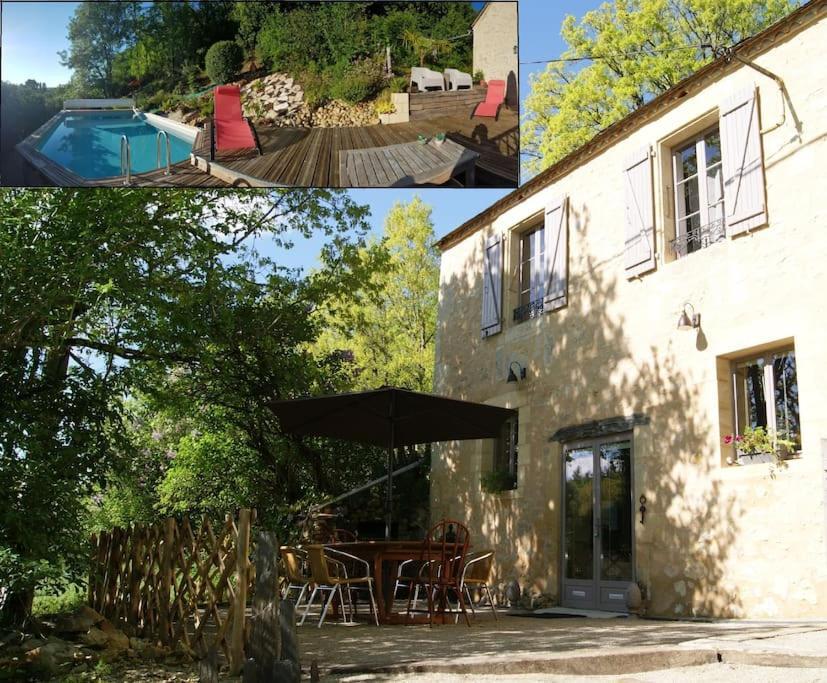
{"x": 759, "y": 458}
{"x": 505, "y": 494}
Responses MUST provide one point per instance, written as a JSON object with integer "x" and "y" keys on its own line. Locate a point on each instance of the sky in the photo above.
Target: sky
{"x": 33, "y": 33}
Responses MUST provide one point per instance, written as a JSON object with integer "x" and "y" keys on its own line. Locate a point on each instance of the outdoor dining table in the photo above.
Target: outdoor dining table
{"x": 407, "y": 164}
{"x": 385, "y": 556}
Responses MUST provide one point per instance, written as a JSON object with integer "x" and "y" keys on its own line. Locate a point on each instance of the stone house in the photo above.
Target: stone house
{"x": 495, "y": 50}
{"x": 638, "y": 303}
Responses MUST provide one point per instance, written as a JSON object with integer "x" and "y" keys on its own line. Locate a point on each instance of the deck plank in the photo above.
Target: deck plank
{"x": 303, "y": 157}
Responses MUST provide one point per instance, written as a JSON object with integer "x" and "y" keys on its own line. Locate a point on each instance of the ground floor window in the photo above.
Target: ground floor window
{"x": 765, "y": 395}
{"x": 503, "y": 473}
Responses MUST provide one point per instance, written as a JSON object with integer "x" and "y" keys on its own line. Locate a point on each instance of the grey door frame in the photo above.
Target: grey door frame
{"x": 595, "y": 593}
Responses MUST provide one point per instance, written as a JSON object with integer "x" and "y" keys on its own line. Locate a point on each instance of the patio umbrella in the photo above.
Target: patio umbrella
{"x": 390, "y": 417}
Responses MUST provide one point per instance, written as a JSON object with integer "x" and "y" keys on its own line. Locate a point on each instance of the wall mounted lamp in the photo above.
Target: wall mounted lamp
{"x": 515, "y": 376}
{"x": 689, "y": 320}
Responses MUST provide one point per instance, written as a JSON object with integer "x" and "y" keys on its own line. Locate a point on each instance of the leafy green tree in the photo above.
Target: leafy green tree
{"x": 106, "y": 294}
{"x": 641, "y": 48}
{"x": 98, "y": 31}
{"x": 388, "y": 327}
{"x": 250, "y": 18}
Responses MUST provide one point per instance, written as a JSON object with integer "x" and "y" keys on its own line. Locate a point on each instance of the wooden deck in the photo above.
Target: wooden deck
{"x": 310, "y": 157}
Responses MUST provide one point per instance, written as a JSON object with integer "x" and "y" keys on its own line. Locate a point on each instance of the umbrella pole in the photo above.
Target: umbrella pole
{"x": 389, "y": 496}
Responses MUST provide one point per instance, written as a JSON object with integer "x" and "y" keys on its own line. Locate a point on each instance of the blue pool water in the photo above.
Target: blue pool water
{"x": 90, "y": 144}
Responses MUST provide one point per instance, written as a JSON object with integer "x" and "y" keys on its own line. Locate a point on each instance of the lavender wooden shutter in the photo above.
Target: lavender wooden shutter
{"x": 742, "y": 164}
{"x": 557, "y": 255}
{"x": 639, "y": 252}
{"x": 492, "y": 287}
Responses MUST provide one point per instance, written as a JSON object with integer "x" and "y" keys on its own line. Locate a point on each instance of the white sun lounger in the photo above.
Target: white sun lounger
{"x": 425, "y": 79}
{"x": 457, "y": 80}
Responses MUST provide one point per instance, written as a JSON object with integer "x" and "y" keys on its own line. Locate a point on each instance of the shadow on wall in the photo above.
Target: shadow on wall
{"x": 588, "y": 361}
{"x": 512, "y": 90}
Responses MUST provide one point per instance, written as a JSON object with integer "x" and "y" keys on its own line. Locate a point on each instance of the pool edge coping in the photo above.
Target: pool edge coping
{"x": 64, "y": 177}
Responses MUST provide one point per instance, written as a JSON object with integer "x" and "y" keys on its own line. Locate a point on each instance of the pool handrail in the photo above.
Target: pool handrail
{"x": 162, "y": 135}
{"x": 126, "y": 155}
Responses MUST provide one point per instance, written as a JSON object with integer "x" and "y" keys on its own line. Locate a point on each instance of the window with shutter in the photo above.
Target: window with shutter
{"x": 699, "y": 194}
{"x": 531, "y": 274}
{"x": 743, "y": 167}
{"x": 556, "y": 256}
{"x": 492, "y": 287}
{"x": 639, "y": 251}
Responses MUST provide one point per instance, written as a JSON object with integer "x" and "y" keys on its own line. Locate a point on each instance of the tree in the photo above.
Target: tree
{"x": 95, "y": 308}
{"x": 641, "y": 48}
{"x": 424, "y": 45}
{"x": 98, "y": 31}
{"x": 388, "y": 327}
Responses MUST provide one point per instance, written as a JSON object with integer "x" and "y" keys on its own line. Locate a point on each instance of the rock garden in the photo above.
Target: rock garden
{"x": 83, "y": 645}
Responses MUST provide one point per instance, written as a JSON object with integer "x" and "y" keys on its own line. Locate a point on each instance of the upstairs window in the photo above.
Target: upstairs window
{"x": 531, "y": 274}
{"x": 699, "y": 193}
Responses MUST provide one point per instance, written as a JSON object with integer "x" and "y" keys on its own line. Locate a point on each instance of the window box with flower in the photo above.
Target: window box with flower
{"x": 758, "y": 444}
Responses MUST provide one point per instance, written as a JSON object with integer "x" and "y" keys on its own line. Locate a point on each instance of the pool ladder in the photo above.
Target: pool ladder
{"x": 126, "y": 160}
{"x": 162, "y": 135}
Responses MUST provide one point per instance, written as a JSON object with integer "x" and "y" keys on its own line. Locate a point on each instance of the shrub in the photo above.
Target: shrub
{"x": 383, "y": 104}
{"x": 497, "y": 480}
{"x": 359, "y": 81}
{"x": 223, "y": 61}
{"x": 192, "y": 75}
{"x": 58, "y": 601}
{"x": 316, "y": 85}
{"x": 400, "y": 83}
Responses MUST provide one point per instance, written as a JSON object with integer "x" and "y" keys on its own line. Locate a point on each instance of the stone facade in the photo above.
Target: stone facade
{"x": 718, "y": 539}
{"x": 495, "y": 46}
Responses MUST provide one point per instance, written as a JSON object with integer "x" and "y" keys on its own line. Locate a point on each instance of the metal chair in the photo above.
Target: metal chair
{"x": 403, "y": 579}
{"x": 294, "y": 562}
{"x": 332, "y": 583}
{"x": 444, "y": 550}
{"x": 475, "y": 575}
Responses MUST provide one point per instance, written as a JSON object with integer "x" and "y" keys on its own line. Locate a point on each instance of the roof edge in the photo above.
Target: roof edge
{"x": 795, "y": 21}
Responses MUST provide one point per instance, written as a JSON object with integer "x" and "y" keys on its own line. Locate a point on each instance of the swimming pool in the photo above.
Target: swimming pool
{"x": 89, "y": 143}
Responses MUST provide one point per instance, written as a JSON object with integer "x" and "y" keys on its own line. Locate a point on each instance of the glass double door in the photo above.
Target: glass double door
{"x": 598, "y": 562}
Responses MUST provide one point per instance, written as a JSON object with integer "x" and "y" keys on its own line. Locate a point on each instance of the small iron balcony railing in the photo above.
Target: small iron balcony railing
{"x": 527, "y": 311}
{"x": 699, "y": 238}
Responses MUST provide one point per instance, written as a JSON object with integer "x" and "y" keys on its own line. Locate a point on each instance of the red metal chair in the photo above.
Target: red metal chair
{"x": 494, "y": 100}
{"x": 444, "y": 550}
{"x": 231, "y": 131}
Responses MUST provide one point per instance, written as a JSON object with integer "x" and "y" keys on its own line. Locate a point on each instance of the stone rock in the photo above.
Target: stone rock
{"x": 52, "y": 657}
{"x": 79, "y": 621}
{"x": 137, "y": 644}
{"x": 118, "y": 641}
{"x": 107, "y": 626}
{"x": 95, "y": 637}
{"x": 31, "y": 644}
{"x": 512, "y": 592}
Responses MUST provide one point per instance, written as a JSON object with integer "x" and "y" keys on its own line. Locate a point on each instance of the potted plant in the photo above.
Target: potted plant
{"x": 758, "y": 444}
{"x": 479, "y": 78}
{"x": 496, "y": 481}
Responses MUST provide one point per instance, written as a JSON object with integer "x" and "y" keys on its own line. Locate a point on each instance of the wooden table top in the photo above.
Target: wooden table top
{"x": 405, "y": 164}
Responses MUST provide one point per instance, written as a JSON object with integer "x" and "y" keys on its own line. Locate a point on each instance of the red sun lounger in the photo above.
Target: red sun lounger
{"x": 494, "y": 99}
{"x": 231, "y": 130}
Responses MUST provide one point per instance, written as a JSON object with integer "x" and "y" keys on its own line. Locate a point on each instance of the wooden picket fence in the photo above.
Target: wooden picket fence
{"x": 176, "y": 583}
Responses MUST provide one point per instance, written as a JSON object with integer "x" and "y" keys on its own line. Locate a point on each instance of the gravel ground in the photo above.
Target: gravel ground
{"x": 690, "y": 674}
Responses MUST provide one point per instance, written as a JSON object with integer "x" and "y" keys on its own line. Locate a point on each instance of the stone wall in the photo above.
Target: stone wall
{"x": 495, "y": 46}
{"x": 718, "y": 540}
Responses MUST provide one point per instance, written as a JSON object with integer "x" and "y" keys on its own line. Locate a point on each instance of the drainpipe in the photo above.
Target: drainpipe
{"x": 729, "y": 54}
